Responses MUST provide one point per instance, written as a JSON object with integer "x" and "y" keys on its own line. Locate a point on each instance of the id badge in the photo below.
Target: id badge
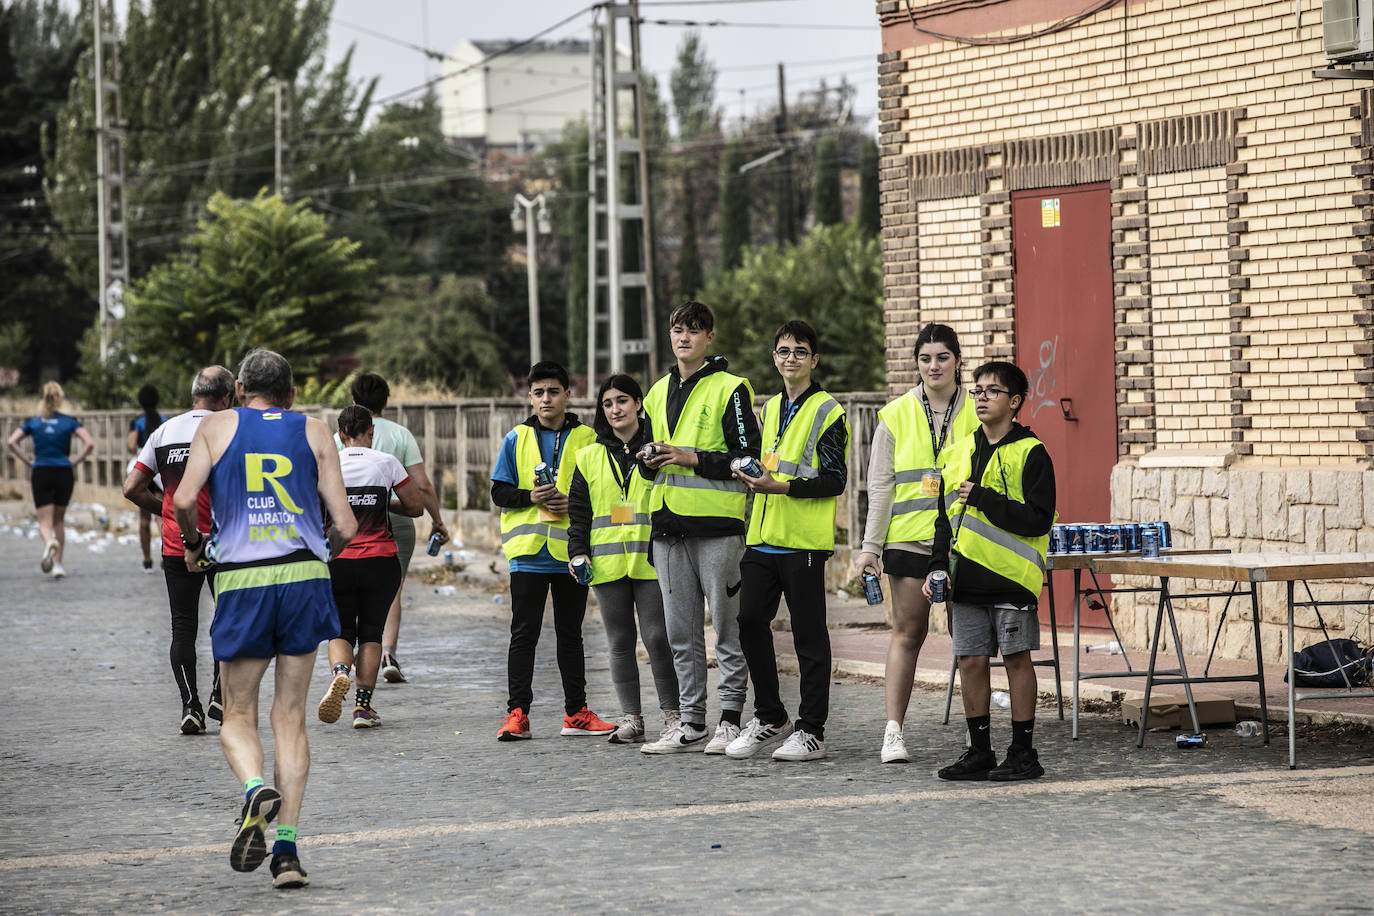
{"x": 622, "y": 514}
{"x": 547, "y": 515}
{"x": 770, "y": 461}
{"x": 931, "y": 483}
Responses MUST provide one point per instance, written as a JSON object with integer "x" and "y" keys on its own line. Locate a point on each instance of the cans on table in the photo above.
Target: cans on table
{"x": 543, "y": 474}
{"x": 1096, "y": 541}
{"x": 1116, "y": 538}
{"x": 873, "y": 589}
{"x": 1057, "y": 539}
{"x": 1074, "y": 538}
{"x": 1166, "y": 535}
{"x": 939, "y": 587}
{"x": 1149, "y": 541}
{"x": 1132, "y": 536}
{"x": 750, "y": 467}
{"x": 582, "y": 570}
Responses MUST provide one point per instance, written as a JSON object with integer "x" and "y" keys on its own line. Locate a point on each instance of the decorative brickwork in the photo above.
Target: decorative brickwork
{"x": 949, "y": 173}
{"x": 1188, "y": 142}
{"x": 1047, "y": 162}
{"x": 901, "y": 269}
{"x": 1364, "y": 260}
{"x": 1135, "y": 333}
{"x": 998, "y": 337}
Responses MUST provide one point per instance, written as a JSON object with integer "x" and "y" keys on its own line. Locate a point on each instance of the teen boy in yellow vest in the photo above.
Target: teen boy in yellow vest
{"x": 997, "y": 534}
{"x": 700, "y": 417}
{"x": 791, "y": 535}
{"x": 534, "y": 537}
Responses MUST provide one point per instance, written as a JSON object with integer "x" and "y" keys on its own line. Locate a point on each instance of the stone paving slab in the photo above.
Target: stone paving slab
{"x": 109, "y": 809}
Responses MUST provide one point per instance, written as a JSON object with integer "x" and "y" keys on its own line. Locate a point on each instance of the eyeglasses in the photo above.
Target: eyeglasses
{"x": 987, "y": 394}
{"x": 789, "y": 353}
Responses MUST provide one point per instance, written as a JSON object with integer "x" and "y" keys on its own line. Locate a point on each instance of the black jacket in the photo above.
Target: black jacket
{"x": 580, "y": 509}
{"x": 976, "y": 584}
{"x": 508, "y": 495}
{"x": 832, "y": 447}
{"x": 741, "y": 430}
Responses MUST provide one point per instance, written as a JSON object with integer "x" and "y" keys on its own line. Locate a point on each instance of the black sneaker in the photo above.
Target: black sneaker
{"x": 287, "y": 871}
{"x": 192, "y": 719}
{"x": 974, "y": 765}
{"x": 1020, "y": 763}
{"x": 216, "y": 708}
{"x": 250, "y": 843}
{"x": 391, "y": 669}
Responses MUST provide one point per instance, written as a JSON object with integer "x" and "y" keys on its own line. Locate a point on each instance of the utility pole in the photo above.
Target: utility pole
{"x": 523, "y": 217}
{"x": 111, "y": 214}
{"x": 786, "y": 229}
{"x": 282, "y": 108}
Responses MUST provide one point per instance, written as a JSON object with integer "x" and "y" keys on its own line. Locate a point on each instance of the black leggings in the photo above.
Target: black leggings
{"x": 528, "y": 592}
{"x": 183, "y": 594}
{"x": 363, "y": 589}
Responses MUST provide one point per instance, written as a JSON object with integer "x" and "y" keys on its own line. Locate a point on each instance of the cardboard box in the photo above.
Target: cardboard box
{"x": 1168, "y": 711}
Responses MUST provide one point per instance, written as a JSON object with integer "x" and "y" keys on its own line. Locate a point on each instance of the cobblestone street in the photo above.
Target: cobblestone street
{"x": 110, "y": 809}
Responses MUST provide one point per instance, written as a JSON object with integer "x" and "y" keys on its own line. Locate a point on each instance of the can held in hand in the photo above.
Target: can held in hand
{"x": 1074, "y": 537}
{"x": 1149, "y": 541}
{"x": 750, "y": 467}
{"x": 649, "y": 451}
{"x": 582, "y": 570}
{"x": 434, "y": 541}
{"x": 543, "y": 474}
{"x": 1132, "y": 536}
{"x": 873, "y": 589}
{"x": 1187, "y": 742}
{"x": 939, "y": 587}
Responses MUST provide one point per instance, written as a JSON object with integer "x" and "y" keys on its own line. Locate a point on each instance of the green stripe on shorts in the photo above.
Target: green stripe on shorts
{"x": 259, "y": 576}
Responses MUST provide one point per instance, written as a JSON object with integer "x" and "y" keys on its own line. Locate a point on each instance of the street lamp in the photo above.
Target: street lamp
{"x": 522, "y": 220}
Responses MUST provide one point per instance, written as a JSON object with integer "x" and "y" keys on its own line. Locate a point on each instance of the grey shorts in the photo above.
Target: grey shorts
{"x": 980, "y": 629}
{"x": 403, "y": 530}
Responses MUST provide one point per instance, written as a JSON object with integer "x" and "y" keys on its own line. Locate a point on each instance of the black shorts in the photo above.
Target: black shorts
{"x": 363, "y": 590}
{"x": 52, "y": 486}
{"x": 905, "y": 563}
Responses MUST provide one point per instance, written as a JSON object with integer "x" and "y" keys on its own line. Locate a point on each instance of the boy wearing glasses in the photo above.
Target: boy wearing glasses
{"x": 993, "y": 544}
{"x": 700, "y": 417}
{"x": 791, "y": 535}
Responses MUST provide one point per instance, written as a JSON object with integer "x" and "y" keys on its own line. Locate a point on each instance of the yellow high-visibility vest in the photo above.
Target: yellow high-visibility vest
{"x": 523, "y": 532}
{"x": 779, "y": 520}
{"x": 619, "y": 548}
{"x": 680, "y": 489}
{"x": 913, "y": 457}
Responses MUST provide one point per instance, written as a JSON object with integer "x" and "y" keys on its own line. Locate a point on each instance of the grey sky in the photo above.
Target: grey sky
{"x": 746, "y": 57}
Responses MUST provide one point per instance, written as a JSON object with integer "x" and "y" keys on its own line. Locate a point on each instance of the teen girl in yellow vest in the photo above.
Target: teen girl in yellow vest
{"x": 915, "y": 436}
{"x": 608, "y": 528}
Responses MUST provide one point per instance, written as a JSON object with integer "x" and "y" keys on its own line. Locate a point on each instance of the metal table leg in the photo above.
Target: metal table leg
{"x": 1077, "y": 603}
{"x": 1292, "y": 732}
{"x": 1154, "y": 653}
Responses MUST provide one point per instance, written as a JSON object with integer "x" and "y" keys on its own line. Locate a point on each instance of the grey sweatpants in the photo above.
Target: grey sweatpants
{"x": 620, "y": 600}
{"x": 690, "y": 571}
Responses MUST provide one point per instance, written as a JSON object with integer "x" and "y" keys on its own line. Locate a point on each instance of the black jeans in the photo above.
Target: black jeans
{"x": 528, "y": 593}
{"x": 183, "y": 594}
{"x": 801, "y": 578}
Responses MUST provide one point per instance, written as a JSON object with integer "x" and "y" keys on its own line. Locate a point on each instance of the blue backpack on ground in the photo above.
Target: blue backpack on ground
{"x": 1321, "y": 664}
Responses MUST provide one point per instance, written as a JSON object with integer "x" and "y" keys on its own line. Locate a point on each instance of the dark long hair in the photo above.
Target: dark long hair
{"x": 621, "y": 382}
{"x": 147, "y": 399}
{"x": 940, "y": 334}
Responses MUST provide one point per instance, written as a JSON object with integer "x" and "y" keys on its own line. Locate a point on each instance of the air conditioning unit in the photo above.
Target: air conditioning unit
{"x": 1348, "y": 29}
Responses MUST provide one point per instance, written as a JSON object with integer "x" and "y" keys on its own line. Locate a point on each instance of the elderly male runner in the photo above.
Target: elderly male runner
{"x": 265, "y": 466}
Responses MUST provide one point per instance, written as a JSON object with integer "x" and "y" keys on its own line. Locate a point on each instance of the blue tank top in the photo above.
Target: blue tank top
{"x": 264, "y": 492}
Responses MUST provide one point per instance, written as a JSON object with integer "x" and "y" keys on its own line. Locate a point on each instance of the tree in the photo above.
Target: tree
{"x": 828, "y": 207}
{"x": 255, "y": 273}
{"x": 689, "y": 275}
{"x": 693, "y": 84}
{"x": 445, "y": 343}
{"x": 833, "y": 279}
{"x": 734, "y": 206}
{"x": 870, "y": 215}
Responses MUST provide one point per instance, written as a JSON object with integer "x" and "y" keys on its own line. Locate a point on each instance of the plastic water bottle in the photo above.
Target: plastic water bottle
{"x": 446, "y": 591}
{"x": 1250, "y": 731}
{"x": 1001, "y": 699}
{"x": 1109, "y": 648}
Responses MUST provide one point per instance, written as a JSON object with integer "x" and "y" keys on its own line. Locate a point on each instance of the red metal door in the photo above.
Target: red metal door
{"x": 1065, "y": 342}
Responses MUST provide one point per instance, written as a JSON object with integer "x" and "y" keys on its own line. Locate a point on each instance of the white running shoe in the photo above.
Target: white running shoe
{"x": 800, "y": 745}
{"x": 894, "y": 746}
{"x": 49, "y": 554}
{"x": 679, "y": 739}
{"x": 331, "y": 704}
{"x": 725, "y": 733}
{"x": 754, "y": 736}
{"x": 671, "y": 720}
{"x": 629, "y": 729}
{"x": 57, "y": 571}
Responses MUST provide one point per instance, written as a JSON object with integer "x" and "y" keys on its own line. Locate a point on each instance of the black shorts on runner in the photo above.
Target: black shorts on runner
{"x": 52, "y": 486}
{"x": 905, "y": 563}
{"x": 363, "y": 589}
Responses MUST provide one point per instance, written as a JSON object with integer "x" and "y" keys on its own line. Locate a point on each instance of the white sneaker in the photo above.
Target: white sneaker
{"x": 49, "y": 554}
{"x": 671, "y": 720}
{"x": 57, "y": 571}
{"x": 754, "y": 736}
{"x": 725, "y": 733}
{"x": 629, "y": 729}
{"x": 800, "y": 745}
{"x": 679, "y": 739}
{"x": 894, "y": 746}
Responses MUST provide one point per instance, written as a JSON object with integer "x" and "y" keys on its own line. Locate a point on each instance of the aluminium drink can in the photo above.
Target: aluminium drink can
{"x": 1132, "y": 536}
{"x": 873, "y": 589}
{"x": 939, "y": 587}
{"x": 1116, "y": 538}
{"x": 1188, "y": 742}
{"x": 1056, "y": 539}
{"x": 1149, "y": 541}
{"x": 582, "y": 570}
{"x": 543, "y": 474}
{"x": 434, "y": 542}
{"x": 750, "y": 467}
{"x": 1074, "y": 539}
{"x": 1166, "y": 535}
{"x": 1096, "y": 539}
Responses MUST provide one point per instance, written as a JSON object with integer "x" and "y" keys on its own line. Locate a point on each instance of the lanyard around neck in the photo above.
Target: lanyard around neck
{"x": 938, "y": 442}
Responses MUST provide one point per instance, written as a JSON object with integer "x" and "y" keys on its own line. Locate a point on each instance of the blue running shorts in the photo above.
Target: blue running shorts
{"x": 266, "y": 611}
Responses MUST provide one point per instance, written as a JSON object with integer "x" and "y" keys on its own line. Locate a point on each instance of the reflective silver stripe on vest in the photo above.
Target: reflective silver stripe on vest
{"x": 924, "y": 504}
{"x": 606, "y": 550}
{"x": 1003, "y": 539}
{"x": 694, "y": 482}
{"x": 803, "y": 468}
{"x": 604, "y": 521}
{"x": 548, "y": 532}
{"x": 796, "y": 470}
{"x": 912, "y": 476}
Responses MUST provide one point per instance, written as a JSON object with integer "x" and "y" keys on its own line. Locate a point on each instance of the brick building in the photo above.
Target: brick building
{"x": 1158, "y": 211}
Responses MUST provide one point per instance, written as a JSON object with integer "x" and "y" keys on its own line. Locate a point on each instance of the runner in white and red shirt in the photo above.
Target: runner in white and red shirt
{"x": 164, "y": 455}
{"x": 366, "y": 574}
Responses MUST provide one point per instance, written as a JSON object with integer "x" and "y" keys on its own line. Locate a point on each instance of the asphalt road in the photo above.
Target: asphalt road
{"x": 109, "y": 808}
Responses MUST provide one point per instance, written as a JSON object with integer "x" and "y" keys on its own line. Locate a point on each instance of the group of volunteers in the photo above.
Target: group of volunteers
{"x": 669, "y": 504}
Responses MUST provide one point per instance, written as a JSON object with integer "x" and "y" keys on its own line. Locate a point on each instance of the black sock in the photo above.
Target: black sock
{"x": 1021, "y": 733}
{"x": 731, "y": 716}
{"x": 698, "y": 726}
{"x": 979, "y": 733}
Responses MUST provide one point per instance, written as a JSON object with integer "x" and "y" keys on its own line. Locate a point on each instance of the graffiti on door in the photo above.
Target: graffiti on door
{"x": 1044, "y": 380}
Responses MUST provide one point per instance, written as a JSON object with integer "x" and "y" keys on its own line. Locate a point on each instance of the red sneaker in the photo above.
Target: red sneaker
{"x": 515, "y": 727}
{"x": 586, "y": 722}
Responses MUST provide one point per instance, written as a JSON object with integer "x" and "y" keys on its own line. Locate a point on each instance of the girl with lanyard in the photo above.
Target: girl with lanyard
{"x": 365, "y": 575}
{"x": 608, "y": 529}
{"x": 910, "y": 445}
